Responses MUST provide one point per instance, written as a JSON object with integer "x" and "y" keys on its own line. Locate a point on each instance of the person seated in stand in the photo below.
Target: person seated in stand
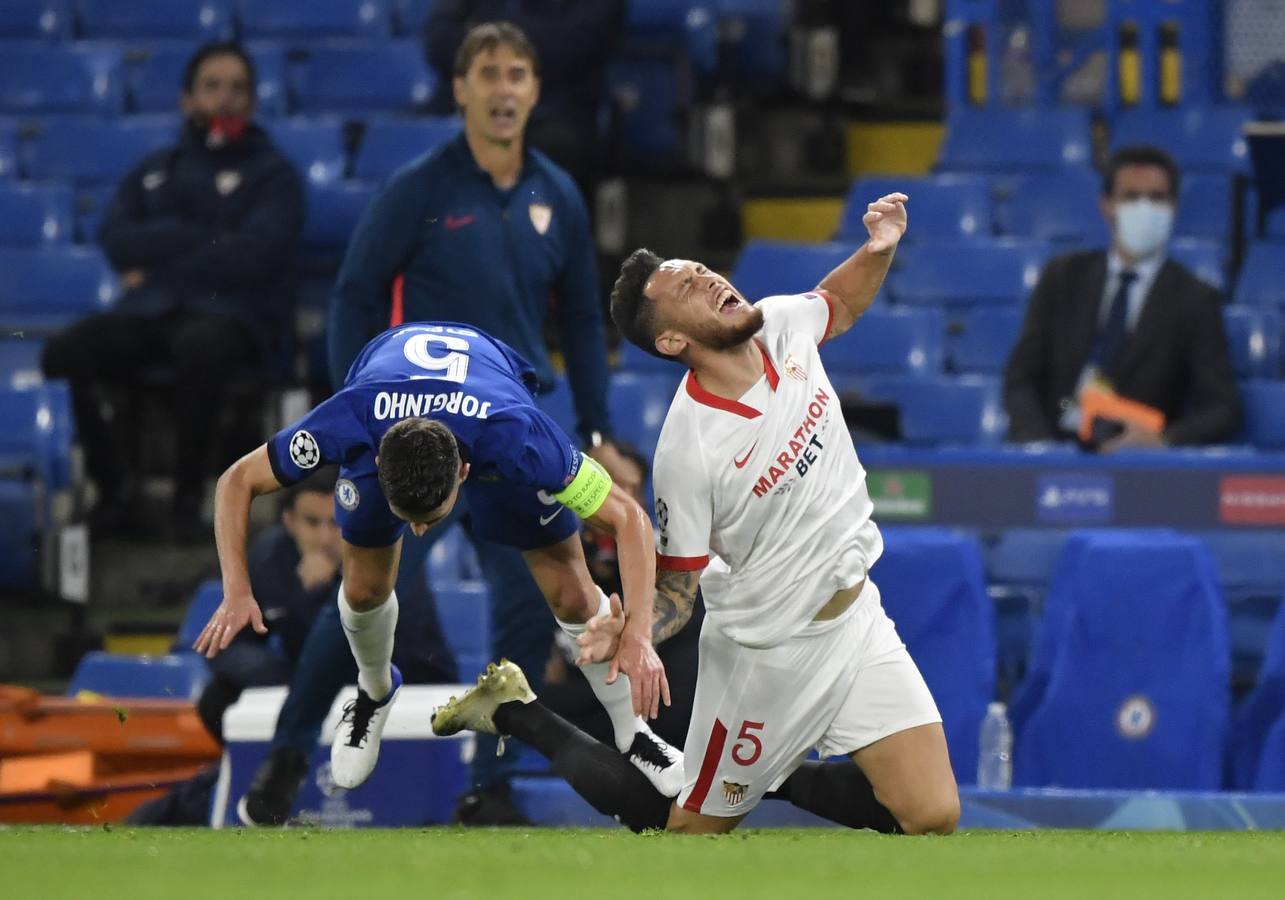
{"x": 1129, "y": 323}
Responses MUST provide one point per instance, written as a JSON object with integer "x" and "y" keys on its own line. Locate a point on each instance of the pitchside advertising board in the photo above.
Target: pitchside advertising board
{"x": 1001, "y": 494}
{"x": 417, "y": 782}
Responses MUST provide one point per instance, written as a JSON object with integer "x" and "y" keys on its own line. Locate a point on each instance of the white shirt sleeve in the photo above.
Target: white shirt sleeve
{"x": 811, "y": 313}
{"x": 684, "y": 511}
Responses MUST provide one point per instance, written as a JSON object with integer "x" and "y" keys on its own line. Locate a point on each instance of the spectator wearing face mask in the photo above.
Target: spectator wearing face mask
{"x": 201, "y": 234}
{"x": 1127, "y": 322}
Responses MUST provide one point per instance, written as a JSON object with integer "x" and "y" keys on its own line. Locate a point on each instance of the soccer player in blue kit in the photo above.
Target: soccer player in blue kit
{"x": 431, "y": 412}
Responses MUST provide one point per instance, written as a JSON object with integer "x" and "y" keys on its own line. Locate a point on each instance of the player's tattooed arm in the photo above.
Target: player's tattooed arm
{"x": 675, "y": 599}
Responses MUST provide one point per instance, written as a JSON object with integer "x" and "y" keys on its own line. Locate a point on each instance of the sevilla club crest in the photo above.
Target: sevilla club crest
{"x": 541, "y": 216}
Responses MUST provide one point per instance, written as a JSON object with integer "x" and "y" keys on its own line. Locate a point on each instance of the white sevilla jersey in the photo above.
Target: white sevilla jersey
{"x": 766, "y": 493}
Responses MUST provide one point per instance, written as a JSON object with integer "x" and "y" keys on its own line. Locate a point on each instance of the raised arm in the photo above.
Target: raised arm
{"x": 247, "y": 478}
{"x": 854, "y": 282}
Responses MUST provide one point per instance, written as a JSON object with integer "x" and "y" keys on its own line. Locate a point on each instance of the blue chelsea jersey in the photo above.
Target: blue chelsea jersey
{"x": 475, "y": 385}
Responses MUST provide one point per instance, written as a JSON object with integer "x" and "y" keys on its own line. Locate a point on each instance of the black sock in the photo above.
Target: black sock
{"x": 599, "y": 773}
{"x": 839, "y": 792}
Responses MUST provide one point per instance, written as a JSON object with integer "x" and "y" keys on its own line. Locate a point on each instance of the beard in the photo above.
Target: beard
{"x": 722, "y": 337}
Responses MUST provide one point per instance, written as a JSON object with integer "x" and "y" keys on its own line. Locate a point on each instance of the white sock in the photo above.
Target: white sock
{"x": 370, "y": 635}
{"x": 617, "y": 699}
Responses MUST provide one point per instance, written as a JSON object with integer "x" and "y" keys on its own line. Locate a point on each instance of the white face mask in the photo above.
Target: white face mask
{"x": 1143, "y": 226}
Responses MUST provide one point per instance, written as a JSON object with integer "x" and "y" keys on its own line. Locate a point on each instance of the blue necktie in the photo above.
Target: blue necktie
{"x": 1106, "y": 349}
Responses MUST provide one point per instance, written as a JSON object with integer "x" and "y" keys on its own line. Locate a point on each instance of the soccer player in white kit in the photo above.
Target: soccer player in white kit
{"x": 762, "y": 503}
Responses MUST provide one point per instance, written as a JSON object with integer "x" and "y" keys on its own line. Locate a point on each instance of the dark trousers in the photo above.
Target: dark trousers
{"x": 115, "y": 349}
{"x": 522, "y": 630}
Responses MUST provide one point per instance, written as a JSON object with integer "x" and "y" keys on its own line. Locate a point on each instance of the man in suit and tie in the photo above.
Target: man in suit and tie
{"x": 1127, "y": 319}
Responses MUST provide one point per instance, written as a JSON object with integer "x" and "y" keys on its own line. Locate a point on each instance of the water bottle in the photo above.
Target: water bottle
{"x": 995, "y": 765}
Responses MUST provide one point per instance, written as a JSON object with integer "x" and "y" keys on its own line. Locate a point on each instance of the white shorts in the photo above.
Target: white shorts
{"x": 835, "y": 687}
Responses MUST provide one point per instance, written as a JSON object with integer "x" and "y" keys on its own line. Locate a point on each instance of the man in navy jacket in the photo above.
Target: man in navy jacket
{"x": 201, "y": 234}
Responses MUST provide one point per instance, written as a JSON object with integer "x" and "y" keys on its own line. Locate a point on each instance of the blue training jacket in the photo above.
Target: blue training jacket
{"x": 498, "y": 260}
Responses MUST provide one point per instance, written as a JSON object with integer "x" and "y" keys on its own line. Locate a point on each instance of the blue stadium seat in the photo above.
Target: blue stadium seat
{"x": 645, "y": 98}
{"x": 1264, "y": 410}
{"x": 155, "y": 76}
{"x": 451, "y": 560}
{"x": 205, "y": 600}
{"x": 1274, "y": 228}
{"x": 766, "y": 268}
{"x": 333, "y": 212}
{"x": 1024, "y": 556}
{"x": 313, "y": 19}
{"x": 89, "y": 151}
{"x": 983, "y": 339}
{"x": 760, "y": 34}
{"x": 410, "y": 16}
{"x": 1203, "y": 258}
{"x": 315, "y": 146}
{"x": 464, "y": 611}
{"x": 1251, "y": 570}
{"x": 1207, "y": 139}
{"x": 964, "y": 409}
{"x": 1016, "y": 140}
{"x": 1204, "y": 206}
{"x": 889, "y": 341}
{"x": 1254, "y": 339}
{"x": 389, "y": 144}
{"x": 47, "y": 19}
{"x": 35, "y": 214}
{"x": 1262, "y": 277}
{"x": 1137, "y": 693}
{"x": 942, "y": 206}
{"x": 933, "y": 588}
{"x": 1271, "y": 768}
{"x": 960, "y": 274}
{"x": 206, "y": 20}
{"x": 36, "y": 78}
{"x": 8, "y": 152}
{"x": 20, "y": 362}
{"x": 361, "y": 78}
{"x": 36, "y": 442}
{"x": 639, "y": 404}
{"x": 1054, "y": 206}
{"x": 177, "y": 676}
{"x": 47, "y": 287}
{"x": 91, "y": 204}
{"x": 19, "y": 532}
{"x": 633, "y": 359}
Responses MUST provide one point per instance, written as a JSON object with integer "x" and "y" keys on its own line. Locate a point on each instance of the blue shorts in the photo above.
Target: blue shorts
{"x": 513, "y": 515}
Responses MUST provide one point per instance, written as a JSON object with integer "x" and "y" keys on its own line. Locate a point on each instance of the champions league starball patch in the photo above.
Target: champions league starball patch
{"x": 304, "y": 451}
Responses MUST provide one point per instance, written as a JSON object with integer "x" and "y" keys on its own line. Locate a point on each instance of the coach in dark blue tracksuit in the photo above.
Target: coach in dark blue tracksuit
{"x": 493, "y": 234}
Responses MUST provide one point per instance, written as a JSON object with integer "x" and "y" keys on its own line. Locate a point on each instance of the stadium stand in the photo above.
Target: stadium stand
{"x": 765, "y": 268}
{"x": 47, "y": 287}
{"x": 316, "y": 146}
{"x": 1254, "y": 338}
{"x": 176, "y": 676}
{"x": 8, "y": 152}
{"x": 1262, "y": 277}
{"x": 639, "y": 403}
{"x": 364, "y": 78}
{"x": 206, "y": 20}
{"x": 35, "y": 214}
{"x": 1016, "y": 140}
{"x": 42, "y": 19}
{"x": 946, "y": 206}
{"x": 1252, "y": 747}
{"x": 1061, "y": 207}
{"x": 890, "y": 342}
{"x": 981, "y": 340}
{"x": 301, "y": 20}
{"x": 1204, "y": 139}
{"x": 42, "y": 79}
{"x": 154, "y": 75}
{"x": 92, "y": 151}
{"x": 464, "y": 614}
{"x": 965, "y": 410}
{"x": 962, "y": 275}
{"x": 390, "y": 143}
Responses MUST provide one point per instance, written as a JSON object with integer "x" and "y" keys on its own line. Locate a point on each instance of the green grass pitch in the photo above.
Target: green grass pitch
{"x": 123, "y": 863}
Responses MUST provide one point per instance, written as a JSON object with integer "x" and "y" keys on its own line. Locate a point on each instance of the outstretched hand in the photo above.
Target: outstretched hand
{"x": 605, "y": 638}
{"x": 233, "y": 614}
{"x": 885, "y": 220}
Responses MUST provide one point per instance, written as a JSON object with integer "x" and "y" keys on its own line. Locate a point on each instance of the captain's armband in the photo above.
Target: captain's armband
{"x": 587, "y": 492}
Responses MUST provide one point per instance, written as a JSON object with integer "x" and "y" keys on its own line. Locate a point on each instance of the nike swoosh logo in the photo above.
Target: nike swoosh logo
{"x": 740, "y": 463}
{"x": 545, "y": 520}
{"x": 454, "y": 222}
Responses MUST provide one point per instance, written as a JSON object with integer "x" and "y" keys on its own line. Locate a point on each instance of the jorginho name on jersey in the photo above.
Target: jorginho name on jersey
{"x": 765, "y": 492}
{"x": 475, "y": 385}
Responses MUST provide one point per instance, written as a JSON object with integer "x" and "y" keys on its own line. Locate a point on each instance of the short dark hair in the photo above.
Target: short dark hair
{"x": 486, "y": 37}
{"x": 211, "y": 50}
{"x": 418, "y": 464}
{"x": 320, "y": 482}
{"x": 1139, "y": 155}
{"x": 631, "y": 310}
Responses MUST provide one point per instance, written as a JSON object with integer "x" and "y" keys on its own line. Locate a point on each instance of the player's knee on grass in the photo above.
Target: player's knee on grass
{"x": 683, "y": 822}
{"x": 937, "y": 813}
